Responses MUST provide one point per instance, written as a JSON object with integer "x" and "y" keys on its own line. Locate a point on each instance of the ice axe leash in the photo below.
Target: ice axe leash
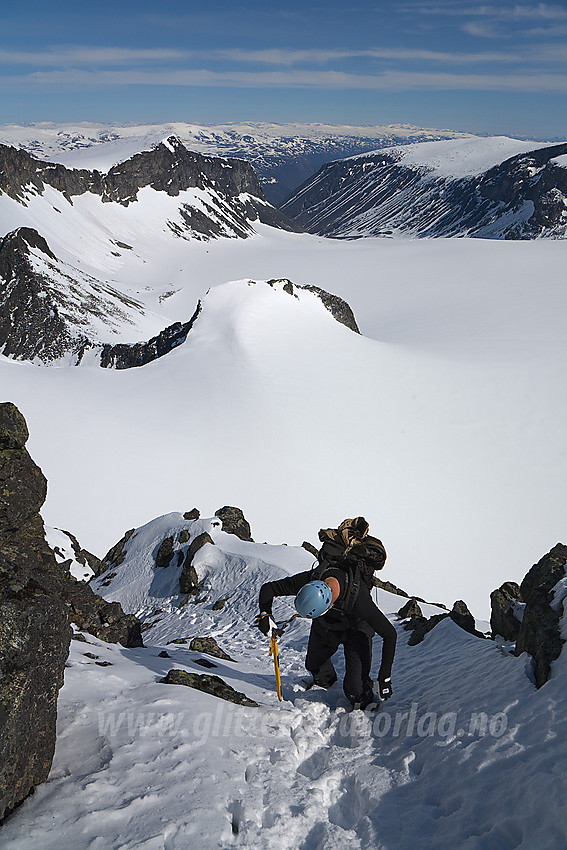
{"x": 274, "y": 653}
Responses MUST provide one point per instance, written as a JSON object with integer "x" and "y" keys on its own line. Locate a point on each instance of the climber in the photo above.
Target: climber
{"x": 335, "y": 594}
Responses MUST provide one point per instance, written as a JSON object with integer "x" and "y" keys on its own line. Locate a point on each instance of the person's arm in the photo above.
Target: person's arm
{"x": 288, "y": 586}
{"x": 366, "y": 609}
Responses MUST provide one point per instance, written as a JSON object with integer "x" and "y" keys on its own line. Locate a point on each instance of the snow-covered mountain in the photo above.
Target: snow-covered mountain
{"x": 70, "y": 232}
{"x": 440, "y": 422}
{"x": 495, "y": 188}
{"x": 283, "y": 155}
{"x": 467, "y": 753}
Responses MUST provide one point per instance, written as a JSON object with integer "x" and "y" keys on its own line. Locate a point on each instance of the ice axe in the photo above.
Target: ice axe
{"x": 274, "y": 653}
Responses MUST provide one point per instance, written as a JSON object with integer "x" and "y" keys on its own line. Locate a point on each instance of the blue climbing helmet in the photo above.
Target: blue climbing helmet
{"x": 314, "y": 599}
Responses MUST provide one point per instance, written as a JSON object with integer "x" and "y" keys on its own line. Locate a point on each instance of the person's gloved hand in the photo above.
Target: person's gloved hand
{"x": 384, "y": 687}
{"x": 265, "y": 623}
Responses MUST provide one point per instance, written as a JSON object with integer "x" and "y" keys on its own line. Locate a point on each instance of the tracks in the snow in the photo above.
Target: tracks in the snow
{"x": 307, "y": 791}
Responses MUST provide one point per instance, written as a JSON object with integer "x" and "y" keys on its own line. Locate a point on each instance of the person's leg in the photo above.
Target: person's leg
{"x": 323, "y": 643}
{"x": 357, "y": 683}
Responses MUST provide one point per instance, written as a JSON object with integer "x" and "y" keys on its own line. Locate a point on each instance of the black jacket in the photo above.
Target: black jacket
{"x": 364, "y": 616}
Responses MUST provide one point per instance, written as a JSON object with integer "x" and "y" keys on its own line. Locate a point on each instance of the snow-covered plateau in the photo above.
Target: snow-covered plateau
{"x": 283, "y": 155}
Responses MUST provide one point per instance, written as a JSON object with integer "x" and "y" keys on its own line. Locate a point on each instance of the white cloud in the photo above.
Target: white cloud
{"x": 388, "y": 81}
{"x": 67, "y": 55}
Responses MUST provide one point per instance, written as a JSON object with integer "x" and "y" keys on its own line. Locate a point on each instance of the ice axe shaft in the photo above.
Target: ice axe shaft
{"x": 274, "y": 653}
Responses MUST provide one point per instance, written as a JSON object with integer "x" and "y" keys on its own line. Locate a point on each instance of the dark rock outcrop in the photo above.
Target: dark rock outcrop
{"x": 539, "y": 633}
{"x": 209, "y": 646}
{"x": 39, "y": 600}
{"x": 130, "y": 355}
{"x": 189, "y": 580}
{"x": 338, "y": 307}
{"x": 410, "y": 609}
{"x": 117, "y": 555}
{"x": 420, "y": 625}
{"x": 31, "y": 324}
{"x": 35, "y": 630}
{"x": 213, "y": 685}
{"x": 164, "y": 553}
{"x": 504, "y": 603}
{"x": 85, "y": 558}
{"x": 234, "y": 522}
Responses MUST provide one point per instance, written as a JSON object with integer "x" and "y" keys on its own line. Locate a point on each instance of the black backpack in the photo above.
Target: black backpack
{"x": 332, "y": 556}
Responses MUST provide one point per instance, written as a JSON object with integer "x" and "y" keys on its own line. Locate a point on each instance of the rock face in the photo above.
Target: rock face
{"x": 523, "y": 197}
{"x": 127, "y": 356}
{"x": 539, "y": 632}
{"x": 504, "y": 605}
{"x": 189, "y": 580}
{"x": 39, "y": 600}
{"x": 234, "y": 522}
{"x": 35, "y": 630}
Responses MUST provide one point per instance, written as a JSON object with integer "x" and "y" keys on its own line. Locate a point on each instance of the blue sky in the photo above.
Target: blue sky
{"x": 494, "y": 68}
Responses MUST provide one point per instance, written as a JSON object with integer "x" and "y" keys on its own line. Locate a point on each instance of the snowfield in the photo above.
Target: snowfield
{"x": 442, "y": 423}
{"x": 459, "y": 157}
{"x": 466, "y": 753}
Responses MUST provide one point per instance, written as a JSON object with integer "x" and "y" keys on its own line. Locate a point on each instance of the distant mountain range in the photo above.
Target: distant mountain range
{"x": 496, "y": 188}
{"x": 283, "y": 155}
{"x": 72, "y": 232}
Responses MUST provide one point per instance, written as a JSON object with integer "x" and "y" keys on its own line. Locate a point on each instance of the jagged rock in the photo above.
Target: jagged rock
{"x": 213, "y": 685}
{"x": 539, "y": 632}
{"x": 85, "y": 558}
{"x": 204, "y": 662}
{"x": 234, "y": 522}
{"x": 184, "y": 537}
{"x": 164, "y": 553}
{"x": 410, "y": 609}
{"x": 338, "y": 307}
{"x": 391, "y": 588}
{"x": 35, "y": 631}
{"x": 209, "y": 646}
{"x": 128, "y": 356}
{"x": 189, "y": 580}
{"x": 461, "y": 615}
{"x": 117, "y": 554}
{"x": 220, "y": 603}
{"x": 420, "y": 625}
{"x": 310, "y": 548}
{"x": 164, "y": 654}
{"x": 504, "y": 604}
{"x": 192, "y": 514}
{"x": 39, "y": 600}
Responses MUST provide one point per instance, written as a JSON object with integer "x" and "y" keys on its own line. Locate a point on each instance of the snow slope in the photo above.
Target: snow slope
{"x": 442, "y": 423}
{"x": 495, "y": 188}
{"x": 466, "y": 754}
{"x": 460, "y": 157}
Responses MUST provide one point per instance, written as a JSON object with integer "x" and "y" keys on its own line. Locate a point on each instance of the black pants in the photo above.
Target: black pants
{"x": 324, "y": 642}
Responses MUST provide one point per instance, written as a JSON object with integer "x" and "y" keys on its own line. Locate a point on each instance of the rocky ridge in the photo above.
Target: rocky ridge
{"x": 283, "y": 155}
{"x": 379, "y": 194}
{"x": 39, "y": 601}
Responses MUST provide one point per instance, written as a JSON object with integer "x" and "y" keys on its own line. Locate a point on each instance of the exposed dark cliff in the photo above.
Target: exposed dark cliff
{"x": 39, "y": 600}
{"x": 524, "y": 197}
